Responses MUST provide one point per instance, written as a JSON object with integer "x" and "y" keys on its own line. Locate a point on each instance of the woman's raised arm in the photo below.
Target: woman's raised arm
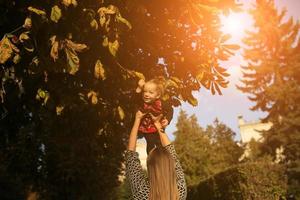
{"x": 134, "y": 131}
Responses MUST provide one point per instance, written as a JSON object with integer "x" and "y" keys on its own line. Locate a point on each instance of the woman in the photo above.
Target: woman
{"x": 165, "y": 175}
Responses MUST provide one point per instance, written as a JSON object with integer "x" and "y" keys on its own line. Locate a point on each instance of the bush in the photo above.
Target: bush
{"x": 253, "y": 181}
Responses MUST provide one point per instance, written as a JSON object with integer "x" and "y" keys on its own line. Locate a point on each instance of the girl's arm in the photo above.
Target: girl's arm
{"x": 134, "y": 131}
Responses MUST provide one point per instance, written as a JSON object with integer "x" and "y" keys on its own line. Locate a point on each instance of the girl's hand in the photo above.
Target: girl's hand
{"x": 139, "y": 115}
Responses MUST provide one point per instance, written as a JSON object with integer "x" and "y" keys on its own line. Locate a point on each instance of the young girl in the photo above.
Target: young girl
{"x": 153, "y": 91}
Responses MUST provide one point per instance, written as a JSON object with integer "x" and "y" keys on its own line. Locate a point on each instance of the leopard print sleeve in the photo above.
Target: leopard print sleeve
{"x": 138, "y": 182}
{"x": 181, "y": 184}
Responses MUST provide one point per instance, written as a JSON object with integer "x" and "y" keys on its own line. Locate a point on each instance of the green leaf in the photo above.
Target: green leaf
{"x": 55, "y": 13}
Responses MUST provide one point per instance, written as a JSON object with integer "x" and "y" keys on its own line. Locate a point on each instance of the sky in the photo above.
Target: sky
{"x": 232, "y": 103}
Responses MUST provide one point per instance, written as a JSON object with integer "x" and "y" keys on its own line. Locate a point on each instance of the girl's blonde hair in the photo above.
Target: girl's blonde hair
{"x": 160, "y": 84}
{"x": 162, "y": 175}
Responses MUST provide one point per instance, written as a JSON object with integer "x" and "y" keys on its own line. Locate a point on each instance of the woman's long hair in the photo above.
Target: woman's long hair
{"x": 162, "y": 175}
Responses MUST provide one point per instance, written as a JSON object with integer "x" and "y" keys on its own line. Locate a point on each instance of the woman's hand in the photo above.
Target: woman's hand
{"x": 139, "y": 115}
{"x": 157, "y": 121}
{"x": 164, "y": 122}
{"x": 134, "y": 131}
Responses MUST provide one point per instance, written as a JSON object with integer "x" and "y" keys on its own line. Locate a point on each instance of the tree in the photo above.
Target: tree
{"x": 69, "y": 69}
{"x": 271, "y": 77}
{"x": 193, "y": 149}
{"x": 204, "y": 152}
{"x": 226, "y": 151}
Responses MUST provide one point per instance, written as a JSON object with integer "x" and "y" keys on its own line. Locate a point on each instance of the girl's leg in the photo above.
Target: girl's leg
{"x": 152, "y": 140}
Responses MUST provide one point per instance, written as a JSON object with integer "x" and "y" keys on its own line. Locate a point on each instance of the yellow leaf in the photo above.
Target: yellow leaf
{"x": 73, "y": 61}
{"x": 121, "y": 112}
{"x": 171, "y": 83}
{"x": 55, "y": 13}
{"x": 16, "y": 58}
{"x": 139, "y": 75}
{"x": 35, "y": 61}
{"x": 102, "y": 20}
{"x": 6, "y": 50}
{"x": 123, "y": 20}
{"x": 93, "y": 96}
{"x": 99, "y": 71}
{"x": 94, "y": 24}
{"x": 54, "y": 50}
{"x": 232, "y": 46}
{"x": 207, "y": 8}
{"x": 75, "y": 46}
{"x": 177, "y": 80}
{"x": 23, "y": 36}
{"x": 192, "y": 101}
{"x": 27, "y": 24}
{"x": 41, "y": 93}
{"x": 113, "y": 47}
{"x": 69, "y": 2}
{"x": 59, "y": 109}
{"x": 200, "y": 75}
{"x": 225, "y": 37}
{"x": 37, "y": 11}
{"x": 166, "y": 97}
{"x": 105, "y": 42}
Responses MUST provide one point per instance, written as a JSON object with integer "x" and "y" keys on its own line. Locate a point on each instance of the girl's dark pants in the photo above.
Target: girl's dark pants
{"x": 152, "y": 140}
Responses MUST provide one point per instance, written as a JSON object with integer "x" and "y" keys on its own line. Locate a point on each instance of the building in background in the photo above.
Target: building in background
{"x": 251, "y": 131}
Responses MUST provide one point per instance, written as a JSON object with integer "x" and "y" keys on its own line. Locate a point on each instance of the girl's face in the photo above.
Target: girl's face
{"x": 150, "y": 93}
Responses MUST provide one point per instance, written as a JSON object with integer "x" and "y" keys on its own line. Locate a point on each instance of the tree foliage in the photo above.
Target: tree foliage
{"x": 204, "y": 152}
{"x": 68, "y": 73}
{"x": 272, "y": 79}
{"x": 246, "y": 181}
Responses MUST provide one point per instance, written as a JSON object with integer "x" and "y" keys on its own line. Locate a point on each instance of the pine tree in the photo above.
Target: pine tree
{"x": 193, "y": 148}
{"x": 227, "y": 151}
{"x": 204, "y": 152}
{"x": 272, "y": 78}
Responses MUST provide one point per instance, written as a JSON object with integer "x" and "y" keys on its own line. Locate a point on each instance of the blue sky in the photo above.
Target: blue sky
{"x": 232, "y": 103}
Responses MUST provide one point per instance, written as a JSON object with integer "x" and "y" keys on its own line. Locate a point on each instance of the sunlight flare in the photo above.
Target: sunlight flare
{"x": 235, "y": 24}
